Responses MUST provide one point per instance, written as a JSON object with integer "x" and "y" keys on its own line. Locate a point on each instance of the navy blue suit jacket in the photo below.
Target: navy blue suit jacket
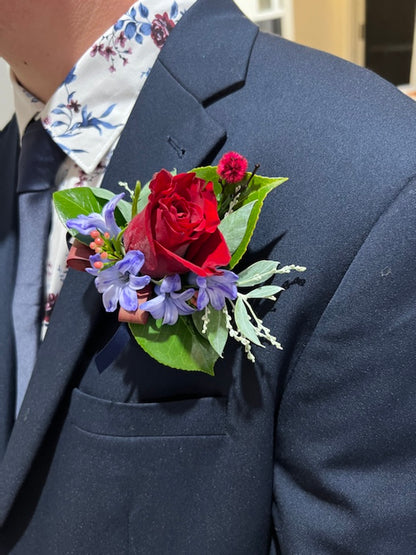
{"x": 309, "y": 450}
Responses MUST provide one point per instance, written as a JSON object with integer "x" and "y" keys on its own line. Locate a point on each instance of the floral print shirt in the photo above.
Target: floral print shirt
{"x": 88, "y": 112}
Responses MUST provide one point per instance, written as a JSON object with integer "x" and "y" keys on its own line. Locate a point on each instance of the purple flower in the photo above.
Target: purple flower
{"x": 121, "y": 39}
{"x": 168, "y": 304}
{"x": 97, "y": 48}
{"x": 104, "y": 222}
{"x": 108, "y": 52}
{"x": 97, "y": 263}
{"x": 215, "y": 289}
{"x": 119, "y": 283}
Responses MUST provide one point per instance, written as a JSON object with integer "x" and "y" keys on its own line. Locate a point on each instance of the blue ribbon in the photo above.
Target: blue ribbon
{"x": 113, "y": 348}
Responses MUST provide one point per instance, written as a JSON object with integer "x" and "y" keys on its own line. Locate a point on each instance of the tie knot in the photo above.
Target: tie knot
{"x": 39, "y": 160}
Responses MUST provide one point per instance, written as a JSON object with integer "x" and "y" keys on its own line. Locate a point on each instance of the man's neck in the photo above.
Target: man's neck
{"x": 45, "y": 42}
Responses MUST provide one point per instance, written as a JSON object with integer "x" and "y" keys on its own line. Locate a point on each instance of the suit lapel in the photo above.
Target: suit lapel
{"x": 169, "y": 127}
{"x": 9, "y": 151}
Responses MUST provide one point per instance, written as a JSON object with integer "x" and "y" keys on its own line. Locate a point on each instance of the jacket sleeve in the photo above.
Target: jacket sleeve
{"x": 345, "y": 463}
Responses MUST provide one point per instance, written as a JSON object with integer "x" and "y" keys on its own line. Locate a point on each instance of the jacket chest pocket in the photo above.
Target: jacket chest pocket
{"x": 190, "y": 417}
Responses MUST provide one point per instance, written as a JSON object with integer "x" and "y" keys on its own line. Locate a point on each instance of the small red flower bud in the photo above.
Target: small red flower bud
{"x": 93, "y": 246}
{"x": 107, "y": 235}
{"x": 98, "y": 250}
{"x": 232, "y": 167}
{"x": 99, "y": 241}
{"x": 98, "y": 265}
{"x": 94, "y": 234}
{"x": 104, "y": 255}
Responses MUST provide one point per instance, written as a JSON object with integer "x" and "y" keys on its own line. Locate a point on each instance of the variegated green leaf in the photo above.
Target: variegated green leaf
{"x": 264, "y": 292}
{"x": 259, "y": 188}
{"x": 234, "y": 226}
{"x": 216, "y": 330}
{"x": 257, "y": 273}
{"x": 243, "y": 323}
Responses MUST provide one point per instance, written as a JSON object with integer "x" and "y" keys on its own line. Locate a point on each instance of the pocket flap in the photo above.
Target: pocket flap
{"x": 190, "y": 417}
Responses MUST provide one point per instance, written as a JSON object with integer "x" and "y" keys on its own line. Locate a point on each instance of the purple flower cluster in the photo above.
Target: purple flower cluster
{"x": 215, "y": 289}
{"x": 119, "y": 282}
{"x": 104, "y": 222}
{"x": 169, "y": 304}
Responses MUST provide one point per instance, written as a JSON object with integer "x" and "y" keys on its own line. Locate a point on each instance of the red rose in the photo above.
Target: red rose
{"x": 161, "y": 27}
{"x": 178, "y": 230}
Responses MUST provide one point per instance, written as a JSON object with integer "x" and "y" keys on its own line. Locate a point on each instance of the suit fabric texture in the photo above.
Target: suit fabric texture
{"x": 309, "y": 450}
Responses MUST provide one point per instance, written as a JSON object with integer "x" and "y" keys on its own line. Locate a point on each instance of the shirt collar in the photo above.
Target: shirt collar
{"x": 26, "y": 105}
{"x": 87, "y": 113}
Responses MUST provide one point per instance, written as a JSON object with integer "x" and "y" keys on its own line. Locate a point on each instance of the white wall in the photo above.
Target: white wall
{"x": 262, "y": 11}
{"x": 6, "y": 95}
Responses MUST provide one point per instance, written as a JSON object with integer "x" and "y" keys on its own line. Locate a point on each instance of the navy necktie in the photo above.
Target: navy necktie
{"x": 39, "y": 161}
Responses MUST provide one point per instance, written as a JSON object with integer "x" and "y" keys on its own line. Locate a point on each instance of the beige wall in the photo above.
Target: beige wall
{"x": 331, "y": 25}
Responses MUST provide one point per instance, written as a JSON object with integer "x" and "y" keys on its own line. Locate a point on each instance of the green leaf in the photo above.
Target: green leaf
{"x": 216, "y": 333}
{"x": 71, "y": 203}
{"x": 123, "y": 207}
{"x": 178, "y": 346}
{"x": 242, "y": 320}
{"x": 143, "y": 198}
{"x": 209, "y": 173}
{"x": 258, "y": 189}
{"x": 257, "y": 273}
{"x": 135, "y": 199}
{"x": 264, "y": 292}
{"x": 234, "y": 226}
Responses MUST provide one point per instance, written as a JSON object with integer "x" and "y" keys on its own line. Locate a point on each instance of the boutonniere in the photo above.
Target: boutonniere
{"x": 165, "y": 259}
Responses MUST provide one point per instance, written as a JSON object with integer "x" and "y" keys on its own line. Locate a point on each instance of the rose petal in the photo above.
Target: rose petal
{"x": 209, "y": 253}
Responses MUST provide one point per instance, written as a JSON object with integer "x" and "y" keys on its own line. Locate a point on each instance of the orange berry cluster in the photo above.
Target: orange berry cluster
{"x": 97, "y": 245}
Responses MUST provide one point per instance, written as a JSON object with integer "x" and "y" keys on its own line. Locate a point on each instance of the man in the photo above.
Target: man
{"x": 309, "y": 450}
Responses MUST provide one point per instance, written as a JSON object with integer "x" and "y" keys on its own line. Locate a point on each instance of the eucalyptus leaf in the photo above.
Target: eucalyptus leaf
{"x": 257, "y": 273}
{"x": 264, "y": 292}
{"x": 179, "y": 346}
{"x": 216, "y": 332}
{"x": 233, "y": 227}
{"x": 242, "y": 320}
{"x": 258, "y": 189}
